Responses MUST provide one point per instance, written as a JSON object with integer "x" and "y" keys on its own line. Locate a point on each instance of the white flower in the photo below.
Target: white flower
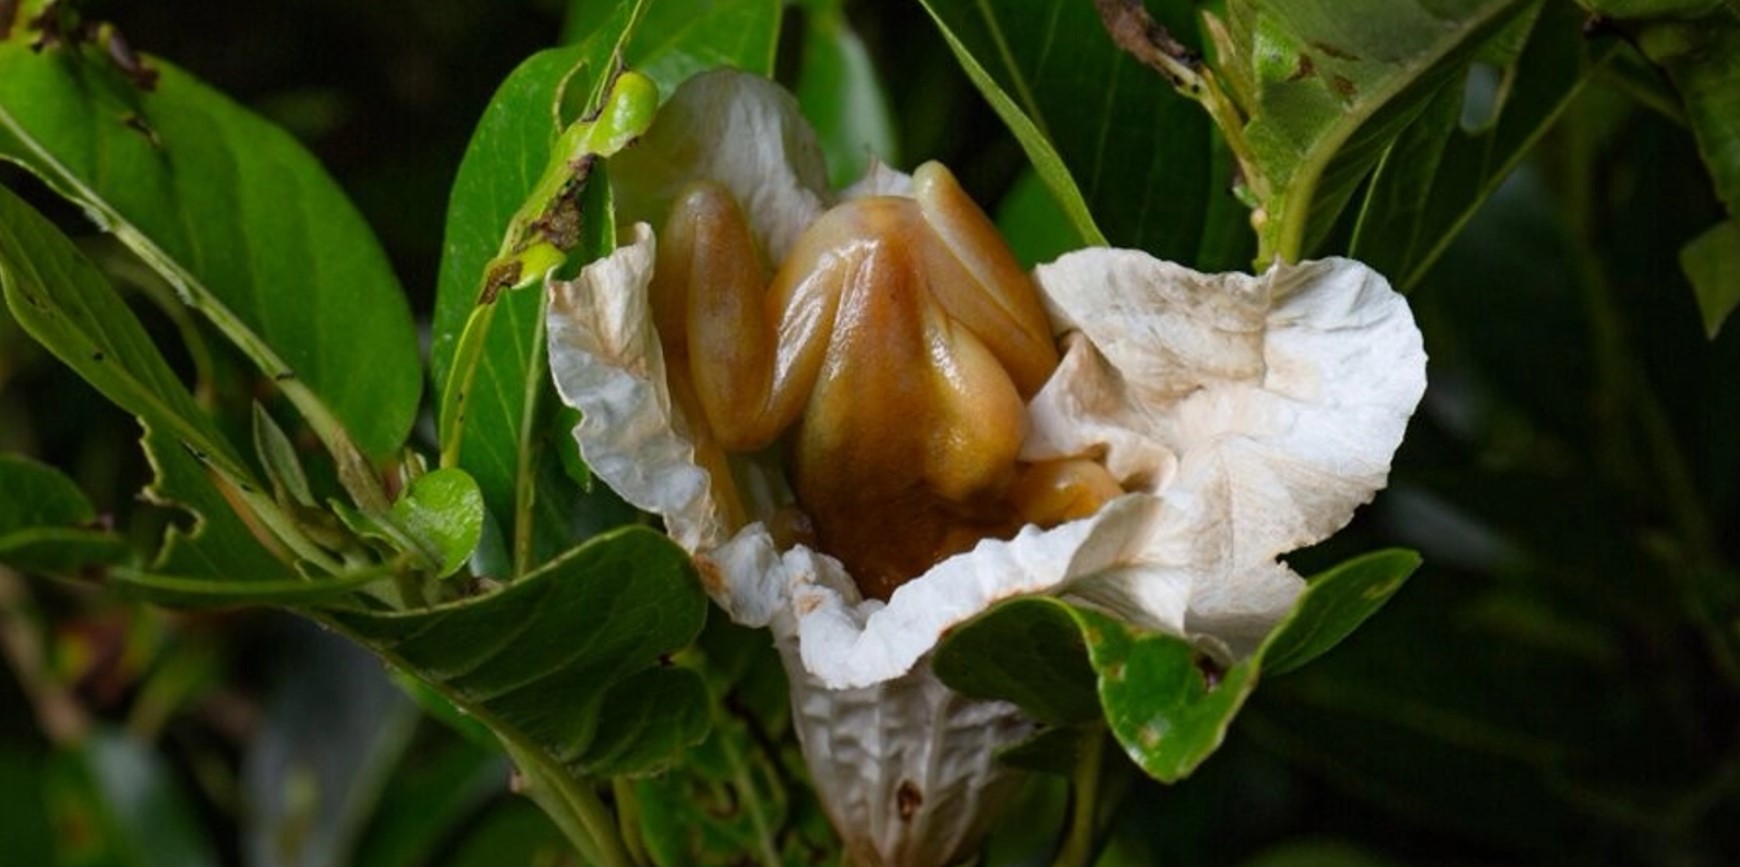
{"x": 1244, "y": 416}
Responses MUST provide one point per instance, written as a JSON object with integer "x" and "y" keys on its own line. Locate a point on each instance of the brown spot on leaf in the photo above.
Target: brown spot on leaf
{"x": 1305, "y": 69}
{"x": 137, "y": 124}
{"x": 1344, "y": 86}
{"x": 8, "y": 14}
{"x": 908, "y": 799}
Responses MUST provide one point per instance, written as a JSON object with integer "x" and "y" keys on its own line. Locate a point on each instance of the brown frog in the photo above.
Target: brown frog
{"x": 897, "y": 345}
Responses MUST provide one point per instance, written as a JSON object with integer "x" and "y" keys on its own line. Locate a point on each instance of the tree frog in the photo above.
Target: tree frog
{"x": 893, "y": 352}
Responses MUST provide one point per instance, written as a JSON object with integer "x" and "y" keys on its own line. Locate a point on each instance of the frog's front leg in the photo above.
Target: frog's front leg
{"x": 751, "y": 355}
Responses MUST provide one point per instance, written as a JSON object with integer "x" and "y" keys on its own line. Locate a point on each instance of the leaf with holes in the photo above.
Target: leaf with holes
{"x": 60, "y": 299}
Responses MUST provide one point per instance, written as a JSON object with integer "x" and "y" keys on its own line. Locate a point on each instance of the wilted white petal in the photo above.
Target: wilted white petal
{"x": 1283, "y": 397}
{"x": 909, "y": 766}
{"x": 606, "y": 361}
{"x": 738, "y": 130}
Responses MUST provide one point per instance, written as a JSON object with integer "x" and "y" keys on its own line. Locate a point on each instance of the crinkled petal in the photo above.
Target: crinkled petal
{"x": 741, "y": 131}
{"x": 606, "y": 361}
{"x": 847, "y": 642}
{"x": 1283, "y": 398}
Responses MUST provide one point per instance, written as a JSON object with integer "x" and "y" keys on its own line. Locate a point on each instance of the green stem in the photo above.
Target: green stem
{"x": 525, "y": 476}
{"x": 628, "y": 818}
{"x": 573, "y": 807}
{"x": 1081, "y": 839}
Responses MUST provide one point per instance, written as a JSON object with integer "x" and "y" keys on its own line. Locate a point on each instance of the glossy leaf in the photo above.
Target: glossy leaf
{"x": 1031, "y": 653}
{"x": 61, "y": 300}
{"x": 563, "y": 663}
{"x": 127, "y": 805}
{"x": 841, "y": 95}
{"x": 46, "y": 523}
{"x": 1437, "y": 172}
{"x": 234, "y": 213}
{"x": 442, "y": 511}
{"x": 1166, "y": 702}
{"x": 1712, "y": 264}
{"x": 674, "y": 39}
{"x": 1331, "y": 85}
{"x": 1334, "y": 605}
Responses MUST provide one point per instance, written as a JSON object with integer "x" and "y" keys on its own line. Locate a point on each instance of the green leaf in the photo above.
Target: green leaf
{"x": 1334, "y": 605}
{"x": 61, "y": 300}
{"x": 1702, "y": 58}
{"x": 841, "y": 95}
{"x": 975, "y": 32}
{"x": 442, "y": 511}
{"x": 46, "y": 521}
{"x": 675, "y": 39}
{"x": 512, "y": 833}
{"x": 1333, "y": 84}
{"x": 272, "y": 446}
{"x": 125, "y": 805}
{"x": 563, "y": 663}
{"x": 1030, "y": 652}
{"x": 1712, "y": 264}
{"x": 237, "y": 216}
{"x": 1436, "y": 173}
{"x": 1166, "y": 702}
